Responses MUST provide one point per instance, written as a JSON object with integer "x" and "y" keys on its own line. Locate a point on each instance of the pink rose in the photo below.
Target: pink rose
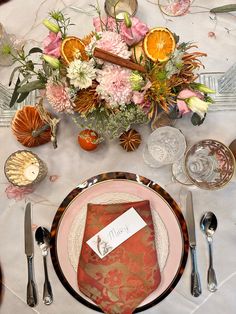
{"x": 108, "y": 23}
{"x": 51, "y": 44}
{"x": 135, "y": 33}
{"x": 184, "y": 94}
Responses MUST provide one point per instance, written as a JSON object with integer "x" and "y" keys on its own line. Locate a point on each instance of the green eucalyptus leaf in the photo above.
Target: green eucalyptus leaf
{"x": 30, "y": 65}
{"x": 12, "y": 74}
{"x": 176, "y": 37}
{"x": 26, "y": 79}
{"x": 224, "y": 8}
{"x": 15, "y": 93}
{"x": 30, "y": 86}
{"x": 47, "y": 69}
{"x": 35, "y": 50}
{"x": 22, "y": 97}
{"x": 196, "y": 119}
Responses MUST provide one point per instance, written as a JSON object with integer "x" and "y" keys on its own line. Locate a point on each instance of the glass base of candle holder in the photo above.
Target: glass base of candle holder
{"x": 222, "y": 101}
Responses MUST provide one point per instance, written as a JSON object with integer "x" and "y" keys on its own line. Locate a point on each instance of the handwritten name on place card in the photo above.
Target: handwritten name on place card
{"x": 116, "y": 232}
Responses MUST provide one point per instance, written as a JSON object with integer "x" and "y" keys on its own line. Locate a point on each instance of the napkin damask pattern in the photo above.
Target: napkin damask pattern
{"x": 119, "y": 282}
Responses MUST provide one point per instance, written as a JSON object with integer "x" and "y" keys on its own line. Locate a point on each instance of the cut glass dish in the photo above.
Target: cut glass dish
{"x": 223, "y": 100}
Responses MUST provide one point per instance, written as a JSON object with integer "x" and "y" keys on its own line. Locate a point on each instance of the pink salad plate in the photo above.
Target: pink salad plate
{"x": 137, "y": 186}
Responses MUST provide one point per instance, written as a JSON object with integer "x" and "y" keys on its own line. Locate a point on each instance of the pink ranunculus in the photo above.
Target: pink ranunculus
{"x": 18, "y": 193}
{"x": 135, "y": 33}
{"x": 51, "y": 44}
{"x": 108, "y": 24}
{"x": 184, "y": 94}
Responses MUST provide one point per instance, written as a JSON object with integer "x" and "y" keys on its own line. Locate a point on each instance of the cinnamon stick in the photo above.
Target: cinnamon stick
{"x": 112, "y": 58}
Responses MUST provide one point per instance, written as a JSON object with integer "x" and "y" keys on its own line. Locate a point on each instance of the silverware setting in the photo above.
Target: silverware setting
{"x": 196, "y": 289}
{"x": 208, "y": 225}
{"x": 29, "y": 251}
{"x": 42, "y": 237}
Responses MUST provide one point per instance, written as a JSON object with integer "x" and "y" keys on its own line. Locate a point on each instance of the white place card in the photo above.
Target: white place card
{"x": 116, "y": 232}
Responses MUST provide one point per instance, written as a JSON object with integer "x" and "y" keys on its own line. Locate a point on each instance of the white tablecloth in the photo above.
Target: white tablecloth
{"x": 73, "y": 165}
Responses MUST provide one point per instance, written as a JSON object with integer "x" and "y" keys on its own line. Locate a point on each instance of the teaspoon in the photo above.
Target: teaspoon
{"x": 208, "y": 225}
{"x": 42, "y": 236}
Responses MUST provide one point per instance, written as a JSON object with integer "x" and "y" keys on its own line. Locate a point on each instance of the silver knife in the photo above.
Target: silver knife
{"x": 29, "y": 251}
{"x": 196, "y": 289}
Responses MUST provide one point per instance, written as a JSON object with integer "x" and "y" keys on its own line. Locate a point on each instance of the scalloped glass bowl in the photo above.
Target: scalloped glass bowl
{"x": 209, "y": 164}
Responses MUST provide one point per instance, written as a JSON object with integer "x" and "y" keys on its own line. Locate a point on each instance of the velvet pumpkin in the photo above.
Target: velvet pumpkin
{"x": 28, "y": 127}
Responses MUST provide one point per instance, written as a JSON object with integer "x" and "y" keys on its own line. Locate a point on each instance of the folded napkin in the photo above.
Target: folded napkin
{"x": 120, "y": 281}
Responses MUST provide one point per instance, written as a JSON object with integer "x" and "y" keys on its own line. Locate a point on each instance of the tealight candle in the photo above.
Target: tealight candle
{"x": 118, "y": 8}
{"x": 24, "y": 168}
{"x": 31, "y": 172}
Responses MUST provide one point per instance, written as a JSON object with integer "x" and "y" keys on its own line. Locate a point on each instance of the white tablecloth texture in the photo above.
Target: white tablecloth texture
{"x": 72, "y": 165}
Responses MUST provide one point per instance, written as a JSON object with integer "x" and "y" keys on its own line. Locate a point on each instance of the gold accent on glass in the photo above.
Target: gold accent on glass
{"x": 24, "y": 168}
{"x": 209, "y": 164}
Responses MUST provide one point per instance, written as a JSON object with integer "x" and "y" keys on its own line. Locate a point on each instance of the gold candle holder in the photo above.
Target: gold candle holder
{"x": 24, "y": 168}
{"x": 117, "y": 8}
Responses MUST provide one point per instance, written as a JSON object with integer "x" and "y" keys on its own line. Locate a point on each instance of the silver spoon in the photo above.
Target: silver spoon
{"x": 42, "y": 236}
{"x": 208, "y": 225}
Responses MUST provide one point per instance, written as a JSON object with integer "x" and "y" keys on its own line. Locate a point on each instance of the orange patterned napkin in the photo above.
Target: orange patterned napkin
{"x": 120, "y": 281}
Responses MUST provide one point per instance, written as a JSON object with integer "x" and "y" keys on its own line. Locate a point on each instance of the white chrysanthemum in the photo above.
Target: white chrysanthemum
{"x": 81, "y": 73}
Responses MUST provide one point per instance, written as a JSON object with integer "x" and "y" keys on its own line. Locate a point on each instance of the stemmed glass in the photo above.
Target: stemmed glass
{"x": 208, "y": 164}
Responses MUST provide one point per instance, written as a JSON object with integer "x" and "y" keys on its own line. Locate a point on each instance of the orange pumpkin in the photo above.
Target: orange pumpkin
{"x": 30, "y": 130}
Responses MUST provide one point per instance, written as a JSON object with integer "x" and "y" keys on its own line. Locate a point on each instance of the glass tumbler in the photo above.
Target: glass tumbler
{"x": 164, "y": 146}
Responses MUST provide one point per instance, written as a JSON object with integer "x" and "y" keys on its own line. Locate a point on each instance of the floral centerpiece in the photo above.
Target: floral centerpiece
{"x": 122, "y": 73}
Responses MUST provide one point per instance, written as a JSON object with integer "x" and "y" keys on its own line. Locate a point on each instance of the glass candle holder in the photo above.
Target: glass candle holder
{"x": 24, "y": 168}
{"x": 117, "y": 8}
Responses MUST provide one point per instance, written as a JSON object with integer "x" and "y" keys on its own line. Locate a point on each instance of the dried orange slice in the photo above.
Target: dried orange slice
{"x": 73, "y": 48}
{"x": 159, "y": 43}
